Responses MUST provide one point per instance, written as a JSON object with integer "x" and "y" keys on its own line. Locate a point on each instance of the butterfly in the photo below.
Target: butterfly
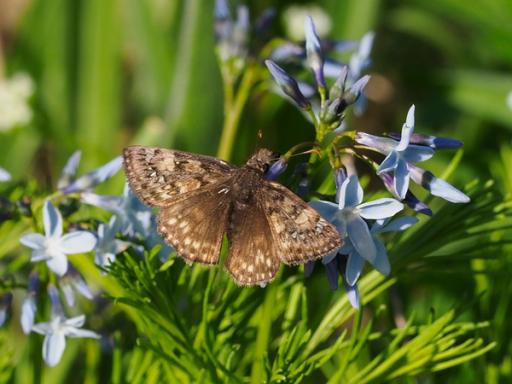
{"x": 201, "y": 199}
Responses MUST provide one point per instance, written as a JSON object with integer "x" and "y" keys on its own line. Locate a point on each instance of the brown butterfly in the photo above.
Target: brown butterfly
{"x": 202, "y": 198}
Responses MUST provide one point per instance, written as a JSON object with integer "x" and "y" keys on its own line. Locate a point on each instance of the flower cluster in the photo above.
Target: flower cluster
{"x": 131, "y": 220}
{"x": 359, "y": 224}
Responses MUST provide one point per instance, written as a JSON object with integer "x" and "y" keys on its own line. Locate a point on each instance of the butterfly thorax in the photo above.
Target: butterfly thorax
{"x": 261, "y": 160}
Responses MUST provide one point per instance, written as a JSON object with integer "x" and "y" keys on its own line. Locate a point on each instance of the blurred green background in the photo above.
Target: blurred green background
{"x": 109, "y": 73}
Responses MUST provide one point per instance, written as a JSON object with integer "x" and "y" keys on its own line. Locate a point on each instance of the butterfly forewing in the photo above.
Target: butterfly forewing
{"x": 195, "y": 226}
{"x": 160, "y": 176}
{"x": 300, "y": 234}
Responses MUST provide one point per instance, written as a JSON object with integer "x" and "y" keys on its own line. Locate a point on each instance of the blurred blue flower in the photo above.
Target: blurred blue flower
{"x": 108, "y": 246}
{"x": 54, "y": 246}
{"x": 55, "y": 332}
{"x": 5, "y": 306}
{"x": 349, "y": 214}
{"x": 4, "y": 175}
{"x": 29, "y": 305}
{"x": 69, "y": 183}
{"x": 73, "y": 282}
{"x": 133, "y": 217}
{"x": 399, "y": 155}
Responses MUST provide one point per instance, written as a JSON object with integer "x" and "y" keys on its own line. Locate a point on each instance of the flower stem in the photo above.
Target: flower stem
{"x": 233, "y": 108}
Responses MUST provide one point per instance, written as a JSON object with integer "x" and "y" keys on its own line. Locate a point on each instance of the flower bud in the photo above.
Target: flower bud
{"x": 288, "y": 85}
{"x": 314, "y": 52}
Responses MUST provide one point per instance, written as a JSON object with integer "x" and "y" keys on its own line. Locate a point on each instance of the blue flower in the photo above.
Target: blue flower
{"x": 4, "y": 175}
{"x": 355, "y": 261}
{"x": 108, "y": 246}
{"x": 55, "y": 331}
{"x": 349, "y": 214}
{"x": 54, "y": 246}
{"x": 69, "y": 183}
{"x": 399, "y": 155}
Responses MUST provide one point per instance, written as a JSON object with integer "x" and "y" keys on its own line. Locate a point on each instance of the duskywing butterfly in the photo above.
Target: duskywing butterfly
{"x": 201, "y": 198}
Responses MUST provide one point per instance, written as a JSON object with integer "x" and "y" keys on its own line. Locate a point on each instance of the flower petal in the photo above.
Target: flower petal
{"x": 4, "y": 175}
{"x": 332, "y": 273}
{"x": 39, "y": 255}
{"x": 53, "y": 348}
{"x": 353, "y": 295}
{"x": 326, "y": 209}
{"x": 33, "y": 240}
{"x": 350, "y": 193}
{"x": 83, "y": 333}
{"x": 58, "y": 263}
{"x": 399, "y": 224}
{"x": 417, "y": 153}
{"x": 69, "y": 170}
{"x": 78, "y": 242}
{"x": 401, "y": 178}
{"x": 381, "y": 262}
{"x": 389, "y": 163}
{"x": 380, "y": 208}
{"x": 382, "y": 144}
{"x": 52, "y": 220}
{"x": 360, "y": 237}
{"x": 112, "y": 204}
{"x": 28, "y": 311}
{"x": 93, "y": 178}
{"x": 355, "y": 265}
{"x": 407, "y": 130}
{"x": 437, "y": 187}
{"x": 75, "y": 322}
{"x": 42, "y": 328}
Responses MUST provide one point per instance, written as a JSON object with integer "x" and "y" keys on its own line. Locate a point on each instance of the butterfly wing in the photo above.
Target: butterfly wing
{"x": 160, "y": 176}
{"x": 299, "y": 232}
{"x": 195, "y": 226}
{"x": 252, "y": 257}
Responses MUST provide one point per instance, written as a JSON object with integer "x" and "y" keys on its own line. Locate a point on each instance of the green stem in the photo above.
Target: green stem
{"x": 233, "y": 108}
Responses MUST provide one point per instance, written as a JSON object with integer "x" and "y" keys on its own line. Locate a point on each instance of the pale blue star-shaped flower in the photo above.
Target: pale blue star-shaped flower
{"x": 355, "y": 262}
{"x": 69, "y": 183}
{"x": 108, "y": 246}
{"x": 398, "y": 154}
{"x": 55, "y": 331}
{"x": 133, "y": 217}
{"x": 4, "y": 175}
{"x": 54, "y": 246}
{"x": 349, "y": 214}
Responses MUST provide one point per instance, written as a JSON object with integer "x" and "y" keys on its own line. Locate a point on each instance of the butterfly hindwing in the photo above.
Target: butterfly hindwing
{"x": 299, "y": 232}
{"x": 195, "y": 226}
{"x": 252, "y": 257}
{"x": 160, "y": 176}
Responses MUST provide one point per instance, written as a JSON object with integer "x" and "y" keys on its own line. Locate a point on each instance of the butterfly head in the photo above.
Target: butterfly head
{"x": 262, "y": 160}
